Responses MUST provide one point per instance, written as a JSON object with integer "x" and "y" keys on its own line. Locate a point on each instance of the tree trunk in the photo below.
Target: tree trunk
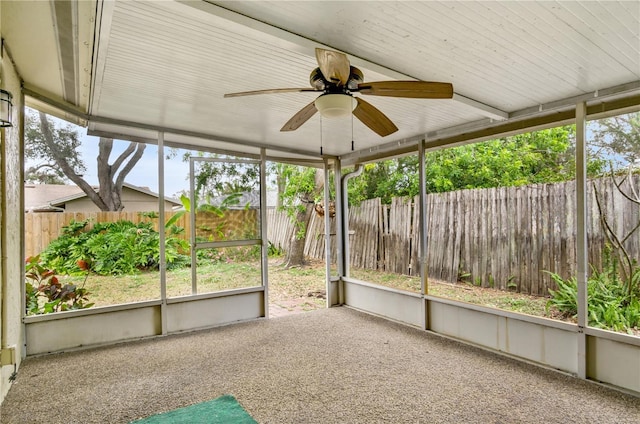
{"x": 295, "y": 253}
{"x": 109, "y": 180}
{"x": 280, "y": 182}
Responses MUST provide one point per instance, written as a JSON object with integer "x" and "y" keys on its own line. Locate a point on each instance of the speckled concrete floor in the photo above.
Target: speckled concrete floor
{"x": 327, "y": 366}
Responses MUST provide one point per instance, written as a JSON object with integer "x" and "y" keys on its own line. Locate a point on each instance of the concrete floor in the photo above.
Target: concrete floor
{"x": 327, "y": 366}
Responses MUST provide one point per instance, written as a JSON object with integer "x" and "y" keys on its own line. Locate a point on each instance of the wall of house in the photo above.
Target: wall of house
{"x": 11, "y": 228}
{"x": 133, "y": 200}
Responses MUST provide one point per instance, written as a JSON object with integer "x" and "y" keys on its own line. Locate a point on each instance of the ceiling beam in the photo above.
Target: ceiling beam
{"x": 67, "y": 111}
{"x": 628, "y": 89}
{"x": 199, "y": 135}
{"x": 486, "y": 110}
{"x": 618, "y": 100}
{"x": 104, "y": 18}
{"x": 64, "y": 17}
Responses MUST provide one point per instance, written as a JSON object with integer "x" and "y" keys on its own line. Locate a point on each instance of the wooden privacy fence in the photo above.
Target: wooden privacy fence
{"x": 502, "y": 237}
{"x": 505, "y": 238}
{"x": 44, "y": 227}
{"x": 509, "y": 237}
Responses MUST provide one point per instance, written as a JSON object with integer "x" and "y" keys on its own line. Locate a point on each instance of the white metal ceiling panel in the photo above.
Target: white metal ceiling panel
{"x": 511, "y": 55}
{"x": 177, "y": 63}
{"x": 35, "y": 32}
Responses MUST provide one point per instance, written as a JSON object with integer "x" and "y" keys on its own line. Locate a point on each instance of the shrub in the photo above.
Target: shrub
{"x": 113, "y": 248}
{"x": 611, "y": 306}
{"x": 45, "y": 293}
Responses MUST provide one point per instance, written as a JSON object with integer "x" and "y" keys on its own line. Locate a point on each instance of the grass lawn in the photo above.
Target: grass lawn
{"x": 113, "y": 290}
{"x": 510, "y": 301}
{"x": 301, "y": 288}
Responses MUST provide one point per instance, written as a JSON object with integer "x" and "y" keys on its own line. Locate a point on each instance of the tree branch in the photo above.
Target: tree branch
{"x": 123, "y": 156}
{"x": 615, "y": 241}
{"x": 132, "y": 162}
{"x": 104, "y": 151}
{"x": 619, "y": 187}
{"x": 34, "y": 169}
{"x": 65, "y": 167}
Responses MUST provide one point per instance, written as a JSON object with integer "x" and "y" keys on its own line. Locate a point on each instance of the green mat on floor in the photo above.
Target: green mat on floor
{"x": 224, "y": 409}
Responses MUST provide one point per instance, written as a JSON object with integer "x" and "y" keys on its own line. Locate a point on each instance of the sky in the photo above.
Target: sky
{"x": 145, "y": 173}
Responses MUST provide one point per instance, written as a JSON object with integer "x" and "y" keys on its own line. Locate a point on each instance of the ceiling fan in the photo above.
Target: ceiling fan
{"x": 337, "y": 80}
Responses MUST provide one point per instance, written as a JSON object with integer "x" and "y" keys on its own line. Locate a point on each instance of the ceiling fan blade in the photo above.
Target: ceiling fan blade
{"x": 335, "y": 66}
{"x": 412, "y": 89}
{"x": 271, "y": 91}
{"x": 373, "y": 118}
{"x": 300, "y": 118}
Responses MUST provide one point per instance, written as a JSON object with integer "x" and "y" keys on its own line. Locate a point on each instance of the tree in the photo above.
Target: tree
{"x": 214, "y": 179}
{"x": 530, "y": 158}
{"x": 55, "y": 149}
{"x": 298, "y": 189}
{"x": 302, "y": 186}
{"x": 44, "y": 169}
{"x": 627, "y": 266}
{"x": 390, "y": 178}
{"x": 618, "y": 137}
{"x": 539, "y": 157}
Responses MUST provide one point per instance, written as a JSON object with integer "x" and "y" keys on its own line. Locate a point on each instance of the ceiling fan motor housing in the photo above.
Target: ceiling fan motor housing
{"x": 356, "y": 77}
{"x": 316, "y": 80}
{"x": 319, "y": 82}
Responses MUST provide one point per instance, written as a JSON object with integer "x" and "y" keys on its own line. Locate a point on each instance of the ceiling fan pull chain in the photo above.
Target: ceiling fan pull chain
{"x": 352, "y": 142}
{"x": 320, "y": 135}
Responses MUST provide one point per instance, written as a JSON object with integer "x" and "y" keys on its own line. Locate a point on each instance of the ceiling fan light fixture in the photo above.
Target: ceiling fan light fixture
{"x": 335, "y": 105}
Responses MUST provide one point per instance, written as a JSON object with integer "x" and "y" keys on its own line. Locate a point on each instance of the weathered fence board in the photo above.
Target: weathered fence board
{"x": 509, "y": 238}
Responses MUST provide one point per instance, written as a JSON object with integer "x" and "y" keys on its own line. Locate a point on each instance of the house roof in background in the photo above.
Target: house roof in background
{"x": 49, "y": 197}
{"x": 39, "y": 196}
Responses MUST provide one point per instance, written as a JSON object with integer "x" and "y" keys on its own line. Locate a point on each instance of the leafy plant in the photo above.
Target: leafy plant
{"x": 611, "y": 306}
{"x": 46, "y": 294}
{"x": 463, "y": 276}
{"x": 275, "y": 251}
{"x": 628, "y": 266}
{"x": 232, "y": 199}
{"x": 511, "y": 283}
{"x": 113, "y": 248}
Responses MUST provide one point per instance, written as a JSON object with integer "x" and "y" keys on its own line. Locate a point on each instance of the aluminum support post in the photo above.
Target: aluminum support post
{"x": 263, "y": 230}
{"x": 192, "y": 219}
{"x": 581, "y": 235}
{"x": 422, "y": 224}
{"x": 340, "y": 235}
{"x": 162, "y": 235}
